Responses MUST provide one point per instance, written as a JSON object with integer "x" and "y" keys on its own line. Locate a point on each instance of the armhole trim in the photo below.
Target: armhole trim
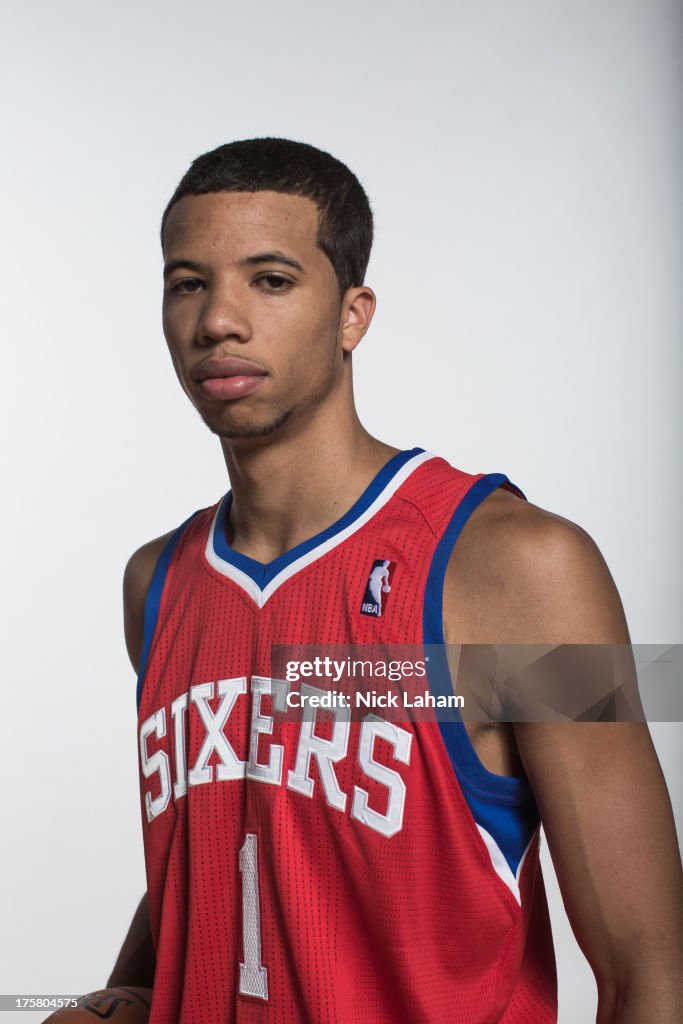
{"x": 153, "y": 598}
{"x": 502, "y": 806}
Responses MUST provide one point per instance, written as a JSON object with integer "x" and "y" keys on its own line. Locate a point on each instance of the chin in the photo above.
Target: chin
{"x": 249, "y": 431}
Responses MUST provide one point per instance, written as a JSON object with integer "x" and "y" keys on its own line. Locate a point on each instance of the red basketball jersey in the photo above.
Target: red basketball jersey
{"x": 326, "y": 870}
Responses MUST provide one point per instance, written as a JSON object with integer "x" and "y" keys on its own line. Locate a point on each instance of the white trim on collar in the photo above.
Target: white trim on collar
{"x": 260, "y": 596}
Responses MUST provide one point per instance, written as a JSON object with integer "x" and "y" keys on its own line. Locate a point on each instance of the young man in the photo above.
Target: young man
{"x": 367, "y": 870}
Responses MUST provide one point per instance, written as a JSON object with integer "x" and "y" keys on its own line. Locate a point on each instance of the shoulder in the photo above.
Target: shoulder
{"x": 140, "y": 567}
{"x": 137, "y": 577}
{"x": 521, "y": 574}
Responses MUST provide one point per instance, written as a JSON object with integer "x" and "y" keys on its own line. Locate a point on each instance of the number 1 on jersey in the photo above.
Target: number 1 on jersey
{"x": 253, "y": 975}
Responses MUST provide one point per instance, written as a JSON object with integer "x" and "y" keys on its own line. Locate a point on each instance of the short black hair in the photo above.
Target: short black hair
{"x": 345, "y": 226}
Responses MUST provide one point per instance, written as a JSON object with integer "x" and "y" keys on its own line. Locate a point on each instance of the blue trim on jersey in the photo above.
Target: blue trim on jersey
{"x": 262, "y": 573}
{"x": 501, "y": 804}
{"x": 153, "y": 598}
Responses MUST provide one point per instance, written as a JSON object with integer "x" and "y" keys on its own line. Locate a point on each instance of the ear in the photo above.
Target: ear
{"x": 358, "y": 307}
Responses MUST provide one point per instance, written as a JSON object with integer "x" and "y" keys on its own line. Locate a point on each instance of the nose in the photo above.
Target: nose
{"x": 223, "y": 316}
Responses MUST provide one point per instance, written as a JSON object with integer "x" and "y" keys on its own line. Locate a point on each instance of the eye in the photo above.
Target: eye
{"x": 188, "y": 284}
{"x": 274, "y": 282}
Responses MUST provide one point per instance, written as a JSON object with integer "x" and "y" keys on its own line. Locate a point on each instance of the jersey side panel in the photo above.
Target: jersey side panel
{"x": 189, "y": 641}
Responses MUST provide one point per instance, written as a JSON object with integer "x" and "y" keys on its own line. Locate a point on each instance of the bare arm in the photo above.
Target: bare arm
{"x": 608, "y": 821}
{"x": 535, "y": 578}
{"x": 604, "y": 805}
{"x": 136, "y": 962}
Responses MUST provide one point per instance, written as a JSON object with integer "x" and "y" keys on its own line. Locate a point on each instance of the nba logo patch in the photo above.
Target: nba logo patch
{"x": 377, "y": 588}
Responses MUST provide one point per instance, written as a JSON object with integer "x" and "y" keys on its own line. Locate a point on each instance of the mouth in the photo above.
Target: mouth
{"x": 228, "y": 378}
{"x": 229, "y": 366}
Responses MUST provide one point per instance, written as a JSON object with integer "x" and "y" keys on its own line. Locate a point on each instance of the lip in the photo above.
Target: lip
{"x": 224, "y": 389}
{"x": 230, "y": 366}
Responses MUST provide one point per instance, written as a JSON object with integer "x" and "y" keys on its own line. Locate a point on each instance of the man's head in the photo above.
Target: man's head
{"x": 265, "y": 247}
{"x": 345, "y": 226}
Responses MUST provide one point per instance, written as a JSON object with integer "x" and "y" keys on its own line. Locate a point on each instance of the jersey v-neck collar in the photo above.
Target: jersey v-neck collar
{"x": 260, "y": 580}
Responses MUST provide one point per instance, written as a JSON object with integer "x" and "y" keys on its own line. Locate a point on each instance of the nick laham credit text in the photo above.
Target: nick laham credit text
{"x": 311, "y": 697}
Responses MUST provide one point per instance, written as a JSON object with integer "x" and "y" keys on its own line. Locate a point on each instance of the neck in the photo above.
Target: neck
{"x": 289, "y": 488}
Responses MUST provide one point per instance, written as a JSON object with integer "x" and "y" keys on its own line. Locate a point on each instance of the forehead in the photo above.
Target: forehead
{"x": 237, "y": 221}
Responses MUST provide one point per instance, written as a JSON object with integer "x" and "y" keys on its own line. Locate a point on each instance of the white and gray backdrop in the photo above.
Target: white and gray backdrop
{"x": 524, "y": 164}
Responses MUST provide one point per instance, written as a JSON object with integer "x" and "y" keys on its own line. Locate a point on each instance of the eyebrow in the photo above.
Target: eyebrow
{"x": 180, "y": 264}
{"x": 261, "y": 257}
{"x": 272, "y": 257}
